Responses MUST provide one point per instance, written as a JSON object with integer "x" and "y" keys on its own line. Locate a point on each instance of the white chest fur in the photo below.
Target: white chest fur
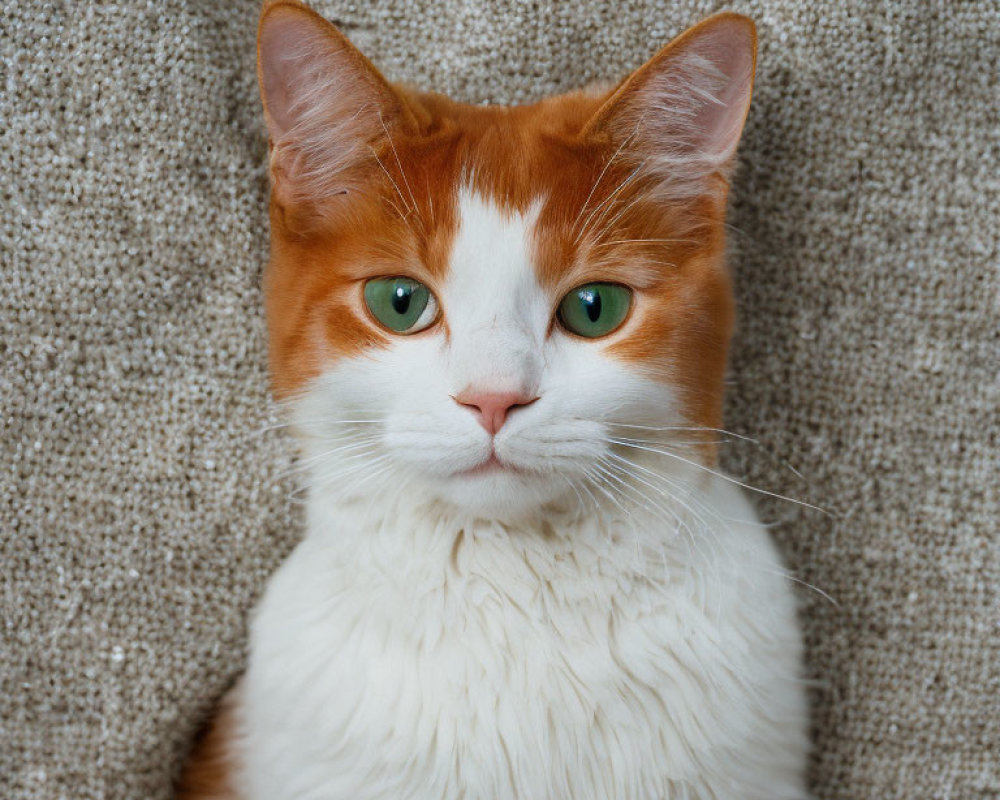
{"x": 430, "y": 658}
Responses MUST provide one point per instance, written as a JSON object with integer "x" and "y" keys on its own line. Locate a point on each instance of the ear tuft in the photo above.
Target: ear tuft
{"x": 324, "y": 103}
{"x": 682, "y": 112}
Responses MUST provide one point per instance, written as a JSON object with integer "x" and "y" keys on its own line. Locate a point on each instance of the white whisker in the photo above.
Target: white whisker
{"x": 399, "y": 163}
{"x": 645, "y": 241}
{"x": 671, "y": 428}
{"x": 598, "y": 181}
{"x": 610, "y": 225}
{"x": 382, "y": 462}
{"x": 395, "y": 186}
{"x": 303, "y": 464}
{"x": 606, "y": 203}
{"x": 820, "y": 592}
{"x": 723, "y": 476}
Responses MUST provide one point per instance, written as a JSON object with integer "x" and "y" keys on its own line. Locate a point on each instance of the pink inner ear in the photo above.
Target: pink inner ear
{"x": 690, "y": 102}
{"x": 325, "y": 104}
{"x": 729, "y": 47}
{"x": 285, "y": 39}
{"x": 311, "y": 77}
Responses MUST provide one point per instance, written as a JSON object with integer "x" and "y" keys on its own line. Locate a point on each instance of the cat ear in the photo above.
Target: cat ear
{"x": 681, "y": 114}
{"x": 325, "y": 104}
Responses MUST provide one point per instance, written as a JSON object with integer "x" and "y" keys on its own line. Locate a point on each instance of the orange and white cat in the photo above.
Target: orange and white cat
{"x": 501, "y": 334}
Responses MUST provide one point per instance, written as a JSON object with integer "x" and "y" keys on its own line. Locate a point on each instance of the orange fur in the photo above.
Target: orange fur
{"x": 208, "y": 774}
{"x": 518, "y": 154}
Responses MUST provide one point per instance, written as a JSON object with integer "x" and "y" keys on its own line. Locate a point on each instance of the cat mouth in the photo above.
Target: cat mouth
{"x": 491, "y": 466}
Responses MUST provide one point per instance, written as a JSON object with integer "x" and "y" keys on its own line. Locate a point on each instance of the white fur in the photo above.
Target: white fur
{"x": 585, "y": 628}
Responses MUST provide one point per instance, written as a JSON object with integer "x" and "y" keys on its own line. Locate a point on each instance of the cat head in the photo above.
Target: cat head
{"x": 484, "y": 305}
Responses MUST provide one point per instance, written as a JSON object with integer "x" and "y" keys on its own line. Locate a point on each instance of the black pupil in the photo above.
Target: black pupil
{"x": 401, "y": 299}
{"x": 592, "y": 302}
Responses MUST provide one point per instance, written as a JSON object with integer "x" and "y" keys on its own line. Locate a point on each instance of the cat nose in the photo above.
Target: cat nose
{"x": 492, "y": 408}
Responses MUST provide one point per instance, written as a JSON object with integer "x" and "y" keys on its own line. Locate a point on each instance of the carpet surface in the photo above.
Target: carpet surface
{"x": 142, "y": 503}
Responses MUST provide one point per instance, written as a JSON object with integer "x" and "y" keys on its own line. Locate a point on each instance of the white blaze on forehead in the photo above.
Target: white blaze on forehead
{"x": 497, "y": 312}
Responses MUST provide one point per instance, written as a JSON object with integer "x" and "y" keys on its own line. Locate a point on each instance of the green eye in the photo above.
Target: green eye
{"x": 595, "y": 309}
{"x": 403, "y": 305}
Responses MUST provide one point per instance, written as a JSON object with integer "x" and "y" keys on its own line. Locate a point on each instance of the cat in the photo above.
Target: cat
{"x": 501, "y": 334}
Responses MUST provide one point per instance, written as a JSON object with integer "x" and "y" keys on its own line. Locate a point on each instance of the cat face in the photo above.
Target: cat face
{"x": 484, "y": 303}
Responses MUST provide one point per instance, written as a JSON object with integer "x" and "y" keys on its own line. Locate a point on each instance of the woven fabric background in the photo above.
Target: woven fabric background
{"x": 142, "y": 504}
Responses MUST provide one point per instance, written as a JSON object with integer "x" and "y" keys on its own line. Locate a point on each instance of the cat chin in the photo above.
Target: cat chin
{"x": 503, "y": 494}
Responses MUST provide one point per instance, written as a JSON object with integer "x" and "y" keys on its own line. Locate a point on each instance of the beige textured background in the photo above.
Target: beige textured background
{"x": 141, "y": 509}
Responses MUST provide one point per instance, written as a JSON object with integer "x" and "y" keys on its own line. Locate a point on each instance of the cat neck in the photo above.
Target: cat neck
{"x": 331, "y": 514}
{"x": 394, "y": 528}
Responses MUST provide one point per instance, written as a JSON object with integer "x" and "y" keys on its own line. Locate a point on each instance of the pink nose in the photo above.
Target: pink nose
{"x": 492, "y": 408}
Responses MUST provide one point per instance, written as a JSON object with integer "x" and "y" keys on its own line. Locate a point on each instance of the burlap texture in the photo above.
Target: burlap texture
{"x": 142, "y": 508}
